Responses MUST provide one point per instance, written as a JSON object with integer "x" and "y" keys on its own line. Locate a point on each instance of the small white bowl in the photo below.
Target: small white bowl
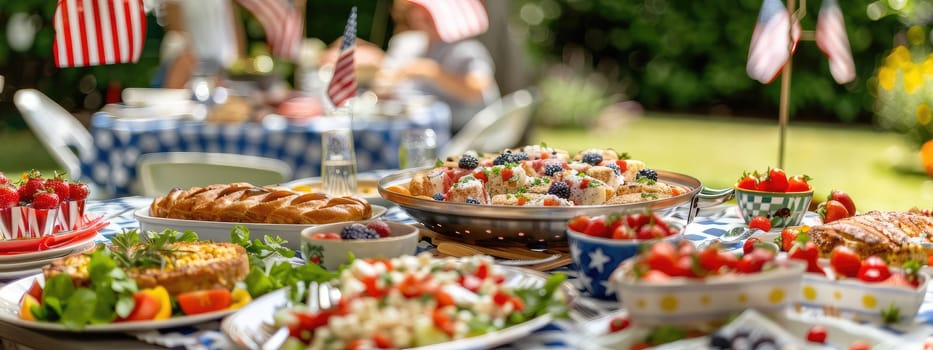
{"x": 331, "y": 253}
{"x": 861, "y": 301}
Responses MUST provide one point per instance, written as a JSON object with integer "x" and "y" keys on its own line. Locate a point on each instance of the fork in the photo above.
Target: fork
{"x": 321, "y": 296}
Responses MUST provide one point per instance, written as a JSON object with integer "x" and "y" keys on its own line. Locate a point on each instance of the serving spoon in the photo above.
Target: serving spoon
{"x": 734, "y": 235}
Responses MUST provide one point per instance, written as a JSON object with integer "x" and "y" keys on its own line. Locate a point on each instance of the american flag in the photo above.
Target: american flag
{"x": 96, "y": 32}
{"x": 832, "y": 39}
{"x": 771, "y": 45}
{"x": 456, "y": 19}
{"x": 343, "y": 85}
{"x": 282, "y": 24}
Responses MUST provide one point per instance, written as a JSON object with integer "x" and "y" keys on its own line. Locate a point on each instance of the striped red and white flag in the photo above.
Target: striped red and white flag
{"x": 97, "y": 32}
{"x": 832, "y": 39}
{"x": 773, "y": 42}
{"x": 342, "y": 86}
{"x": 456, "y": 19}
{"x": 282, "y": 24}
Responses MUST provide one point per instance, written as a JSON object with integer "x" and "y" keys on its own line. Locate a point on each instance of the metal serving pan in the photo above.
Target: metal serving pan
{"x": 535, "y": 226}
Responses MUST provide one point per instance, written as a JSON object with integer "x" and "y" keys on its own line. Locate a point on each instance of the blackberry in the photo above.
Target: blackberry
{"x": 520, "y": 156}
{"x": 358, "y": 231}
{"x": 592, "y": 158}
{"x": 468, "y": 162}
{"x": 504, "y": 158}
{"x": 552, "y": 169}
{"x": 615, "y": 168}
{"x": 648, "y": 173}
{"x": 471, "y": 200}
{"x": 560, "y": 189}
{"x": 438, "y": 196}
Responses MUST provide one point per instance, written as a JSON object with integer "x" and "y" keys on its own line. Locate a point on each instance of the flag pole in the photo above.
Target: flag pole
{"x": 785, "y": 87}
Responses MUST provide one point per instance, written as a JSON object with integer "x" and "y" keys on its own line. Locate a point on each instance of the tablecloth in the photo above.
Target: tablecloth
{"x": 118, "y": 142}
{"x": 563, "y": 334}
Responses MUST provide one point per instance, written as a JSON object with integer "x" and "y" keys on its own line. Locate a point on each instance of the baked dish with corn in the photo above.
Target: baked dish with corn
{"x": 179, "y": 267}
{"x": 244, "y": 203}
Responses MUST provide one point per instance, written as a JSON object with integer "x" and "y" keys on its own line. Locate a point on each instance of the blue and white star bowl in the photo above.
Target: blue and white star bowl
{"x": 595, "y": 258}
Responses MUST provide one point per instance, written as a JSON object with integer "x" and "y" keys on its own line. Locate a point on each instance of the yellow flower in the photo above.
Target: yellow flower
{"x": 898, "y": 58}
{"x": 916, "y": 36}
{"x": 913, "y": 79}
{"x": 924, "y": 115}
{"x": 886, "y": 77}
{"x": 927, "y": 66}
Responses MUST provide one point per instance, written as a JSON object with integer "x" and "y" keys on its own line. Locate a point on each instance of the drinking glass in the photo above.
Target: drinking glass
{"x": 338, "y": 165}
{"x": 418, "y": 148}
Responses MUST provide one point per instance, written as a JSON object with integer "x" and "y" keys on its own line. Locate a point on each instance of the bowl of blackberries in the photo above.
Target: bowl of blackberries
{"x": 332, "y": 245}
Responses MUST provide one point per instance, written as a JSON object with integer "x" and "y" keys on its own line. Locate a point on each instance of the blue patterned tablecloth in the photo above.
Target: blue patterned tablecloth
{"x": 564, "y": 334}
{"x": 118, "y": 142}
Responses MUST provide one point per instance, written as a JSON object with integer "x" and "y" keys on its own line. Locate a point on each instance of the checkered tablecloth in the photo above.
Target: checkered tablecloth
{"x": 709, "y": 224}
{"x": 118, "y": 142}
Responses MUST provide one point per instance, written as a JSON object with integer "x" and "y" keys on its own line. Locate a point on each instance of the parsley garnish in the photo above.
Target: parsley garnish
{"x": 130, "y": 250}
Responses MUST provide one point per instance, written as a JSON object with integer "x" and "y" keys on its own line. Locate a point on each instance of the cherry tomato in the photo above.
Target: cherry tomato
{"x": 761, "y": 223}
{"x": 845, "y": 262}
{"x": 203, "y": 301}
{"x": 619, "y": 323}
{"x": 874, "y": 269}
{"x": 816, "y": 334}
{"x": 35, "y": 290}
{"x": 146, "y": 308}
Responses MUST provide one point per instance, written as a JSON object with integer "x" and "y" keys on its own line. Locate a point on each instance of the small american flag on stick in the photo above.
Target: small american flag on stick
{"x": 773, "y": 42}
{"x": 282, "y": 24}
{"x": 97, "y": 32}
{"x": 832, "y": 39}
{"x": 343, "y": 85}
{"x": 456, "y": 19}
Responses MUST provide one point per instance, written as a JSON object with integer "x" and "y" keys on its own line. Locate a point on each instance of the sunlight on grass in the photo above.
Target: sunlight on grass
{"x": 717, "y": 151}
{"x": 22, "y": 152}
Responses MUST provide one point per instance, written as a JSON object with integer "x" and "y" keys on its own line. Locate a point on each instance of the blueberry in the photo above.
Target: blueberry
{"x": 592, "y": 158}
{"x": 471, "y": 200}
{"x": 438, "y": 196}
{"x": 358, "y": 231}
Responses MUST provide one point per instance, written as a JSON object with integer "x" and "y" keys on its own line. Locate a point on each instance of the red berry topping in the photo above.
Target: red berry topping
{"x": 380, "y": 227}
{"x": 78, "y": 191}
{"x": 816, "y": 334}
{"x": 33, "y": 183}
{"x": 60, "y": 186}
{"x": 45, "y": 200}
{"x": 8, "y": 196}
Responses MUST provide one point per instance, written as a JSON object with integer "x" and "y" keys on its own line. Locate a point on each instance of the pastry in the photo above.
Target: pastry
{"x": 895, "y": 236}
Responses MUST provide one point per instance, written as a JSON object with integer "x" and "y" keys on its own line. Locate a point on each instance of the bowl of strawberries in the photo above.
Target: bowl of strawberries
{"x": 680, "y": 284}
{"x": 772, "y": 194}
{"x": 598, "y": 244}
{"x": 35, "y": 207}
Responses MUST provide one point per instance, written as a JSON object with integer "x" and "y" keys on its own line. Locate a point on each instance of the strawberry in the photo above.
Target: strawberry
{"x": 59, "y": 185}
{"x": 3, "y": 179}
{"x": 747, "y": 182}
{"x": 45, "y": 200}
{"x": 579, "y": 223}
{"x": 78, "y": 191}
{"x": 381, "y": 227}
{"x": 507, "y": 174}
{"x": 597, "y": 228}
{"x": 9, "y": 197}
{"x": 844, "y": 198}
{"x": 832, "y": 210}
{"x": 33, "y": 183}
{"x": 761, "y": 223}
{"x": 798, "y": 183}
{"x": 845, "y": 262}
{"x": 619, "y": 323}
{"x": 788, "y": 236}
{"x": 777, "y": 180}
{"x": 807, "y": 252}
{"x": 874, "y": 269}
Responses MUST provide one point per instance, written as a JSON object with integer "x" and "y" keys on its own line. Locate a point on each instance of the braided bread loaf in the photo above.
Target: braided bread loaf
{"x": 243, "y": 202}
{"x": 894, "y": 236}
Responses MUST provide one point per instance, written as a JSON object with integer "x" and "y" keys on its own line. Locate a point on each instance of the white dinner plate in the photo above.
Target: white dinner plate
{"x": 81, "y": 247}
{"x": 244, "y": 324}
{"x": 11, "y": 294}
{"x": 56, "y": 252}
{"x": 220, "y": 231}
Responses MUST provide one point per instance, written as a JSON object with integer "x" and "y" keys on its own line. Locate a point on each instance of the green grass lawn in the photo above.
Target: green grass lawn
{"x": 717, "y": 151}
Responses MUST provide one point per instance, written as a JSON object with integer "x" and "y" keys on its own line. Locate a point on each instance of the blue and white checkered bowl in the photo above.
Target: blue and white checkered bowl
{"x": 784, "y": 209}
{"x": 595, "y": 258}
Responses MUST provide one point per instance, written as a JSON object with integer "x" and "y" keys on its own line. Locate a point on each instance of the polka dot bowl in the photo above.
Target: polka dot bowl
{"x": 860, "y": 301}
{"x": 784, "y": 209}
{"x": 710, "y": 300}
{"x": 595, "y": 258}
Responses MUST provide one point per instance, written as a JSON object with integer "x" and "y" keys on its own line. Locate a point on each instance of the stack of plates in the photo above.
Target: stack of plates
{"x": 21, "y": 258}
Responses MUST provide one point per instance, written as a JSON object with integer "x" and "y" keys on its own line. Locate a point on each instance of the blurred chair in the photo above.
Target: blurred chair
{"x": 59, "y": 131}
{"x": 159, "y": 173}
{"x": 500, "y": 125}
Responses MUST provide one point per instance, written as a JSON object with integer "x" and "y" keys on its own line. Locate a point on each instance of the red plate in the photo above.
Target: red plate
{"x": 56, "y": 240}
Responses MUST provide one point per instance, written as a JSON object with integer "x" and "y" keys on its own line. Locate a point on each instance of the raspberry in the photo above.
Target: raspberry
{"x": 552, "y": 169}
{"x": 615, "y": 168}
{"x": 560, "y": 189}
{"x": 381, "y": 228}
{"x": 358, "y": 231}
{"x": 468, "y": 162}
{"x": 472, "y": 200}
{"x": 438, "y": 196}
{"x": 592, "y": 158}
{"x": 648, "y": 173}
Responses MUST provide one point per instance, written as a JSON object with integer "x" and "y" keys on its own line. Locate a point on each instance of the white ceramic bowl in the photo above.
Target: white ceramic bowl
{"x": 331, "y": 253}
{"x": 852, "y": 298}
{"x": 220, "y": 231}
{"x": 688, "y": 301}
